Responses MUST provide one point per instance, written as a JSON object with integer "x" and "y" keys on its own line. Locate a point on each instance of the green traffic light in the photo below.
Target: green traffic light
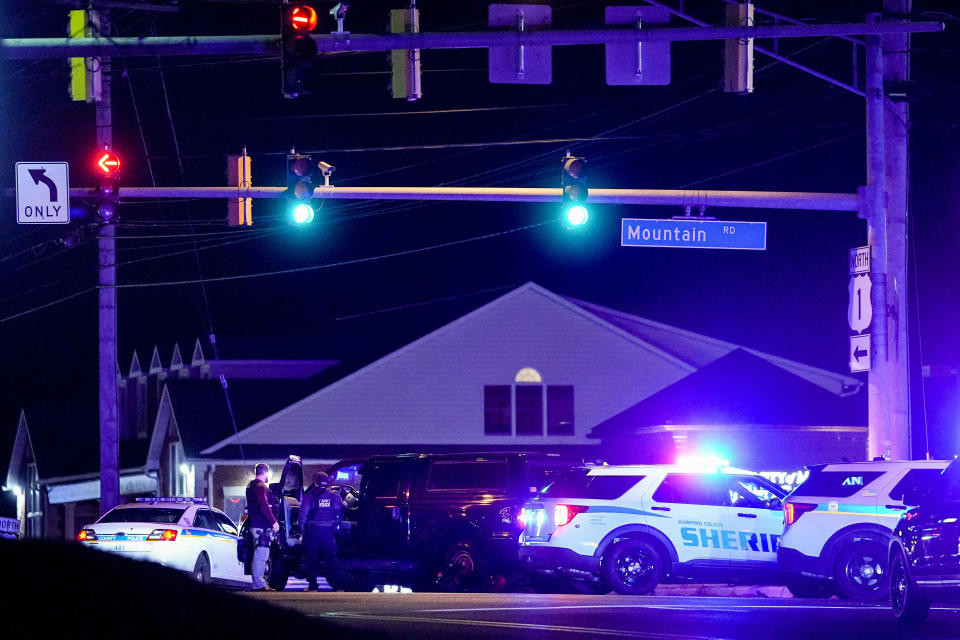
{"x": 303, "y": 214}
{"x": 577, "y": 215}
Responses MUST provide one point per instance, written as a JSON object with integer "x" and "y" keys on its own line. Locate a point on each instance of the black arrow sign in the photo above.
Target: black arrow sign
{"x": 858, "y": 353}
{"x": 39, "y": 175}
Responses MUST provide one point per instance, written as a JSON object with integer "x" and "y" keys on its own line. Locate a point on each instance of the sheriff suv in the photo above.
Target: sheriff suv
{"x": 925, "y": 547}
{"x": 631, "y": 527}
{"x": 838, "y": 524}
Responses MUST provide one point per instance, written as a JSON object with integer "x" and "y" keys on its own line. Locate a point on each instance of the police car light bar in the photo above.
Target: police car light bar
{"x": 172, "y": 499}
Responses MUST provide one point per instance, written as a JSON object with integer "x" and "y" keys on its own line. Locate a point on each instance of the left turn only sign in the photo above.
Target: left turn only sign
{"x": 43, "y": 193}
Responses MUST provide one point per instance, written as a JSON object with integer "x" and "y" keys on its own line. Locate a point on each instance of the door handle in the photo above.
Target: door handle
{"x": 660, "y": 508}
{"x": 898, "y": 507}
{"x": 746, "y": 515}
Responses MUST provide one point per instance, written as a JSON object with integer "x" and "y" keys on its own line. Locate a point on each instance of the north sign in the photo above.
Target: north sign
{"x": 693, "y": 234}
{"x": 43, "y": 192}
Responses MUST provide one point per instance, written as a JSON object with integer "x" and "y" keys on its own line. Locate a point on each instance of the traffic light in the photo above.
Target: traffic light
{"x": 107, "y": 193}
{"x": 299, "y": 50}
{"x": 573, "y": 178}
{"x": 300, "y": 172}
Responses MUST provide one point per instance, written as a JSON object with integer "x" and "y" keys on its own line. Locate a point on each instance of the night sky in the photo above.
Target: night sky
{"x": 794, "y": 132}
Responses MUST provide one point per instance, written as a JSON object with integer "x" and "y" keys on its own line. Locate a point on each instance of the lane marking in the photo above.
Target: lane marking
{"x": 688, "y": 607}
{"x": 621, "y": 633}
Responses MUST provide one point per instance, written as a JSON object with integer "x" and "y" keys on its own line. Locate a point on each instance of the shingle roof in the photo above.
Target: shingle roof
{"x": 739, "y": 388}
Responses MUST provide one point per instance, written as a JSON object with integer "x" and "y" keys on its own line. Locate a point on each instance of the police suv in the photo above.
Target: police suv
{"x": 838, "y": 524}
{"x": 182, "y": 533}
{"x": 632, "y": 527}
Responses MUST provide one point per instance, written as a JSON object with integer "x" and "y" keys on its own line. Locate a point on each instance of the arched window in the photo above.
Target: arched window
{"x": 528, "y": 407}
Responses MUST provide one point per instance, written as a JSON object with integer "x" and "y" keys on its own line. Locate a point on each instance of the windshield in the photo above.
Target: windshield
{"x": 158, "y": 515}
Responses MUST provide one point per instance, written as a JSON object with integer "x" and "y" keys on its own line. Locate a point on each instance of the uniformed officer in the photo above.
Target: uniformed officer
{"x": 319, "y": 520}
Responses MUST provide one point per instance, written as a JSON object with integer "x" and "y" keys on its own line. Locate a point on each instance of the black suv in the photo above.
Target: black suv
{"x": 925, "y": 548}
{"x": 437, "y": 522}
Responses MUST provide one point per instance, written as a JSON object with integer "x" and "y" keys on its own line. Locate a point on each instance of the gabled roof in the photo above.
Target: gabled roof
{"x": 699, "y": 350}
{"x": 739, "y": 389}
{"x": 508, "y": 298}
{"x": 202, "y": 414}
{"x": 65, "y": 439}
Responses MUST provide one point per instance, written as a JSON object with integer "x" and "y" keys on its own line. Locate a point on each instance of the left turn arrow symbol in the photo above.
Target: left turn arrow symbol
{"x": 39, "y": 175}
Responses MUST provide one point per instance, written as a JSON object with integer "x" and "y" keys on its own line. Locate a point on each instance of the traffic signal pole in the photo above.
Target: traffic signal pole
{"x": 107, "y": 312}
{"x": 29, "y": 48}
{"x": 800, "y": 200}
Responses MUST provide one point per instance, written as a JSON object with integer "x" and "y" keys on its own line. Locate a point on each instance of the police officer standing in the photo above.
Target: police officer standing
{"x": 263, "y": 524}
{"x": 319, "y": 520}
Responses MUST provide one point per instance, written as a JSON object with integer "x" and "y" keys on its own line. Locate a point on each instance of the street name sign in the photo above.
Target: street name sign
{"x": 693, "y": 234}
{"x": 860, "y": 309}
{"x": 637, "y": 63}
{"x": 43, "y": 192}
{"x": 860, "y": 260}
{"x": 860, "y": 352}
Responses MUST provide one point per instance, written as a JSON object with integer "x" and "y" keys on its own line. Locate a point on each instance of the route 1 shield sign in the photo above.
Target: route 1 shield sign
{"x": 860, "y": 310}
{"x": 43, "y": 193}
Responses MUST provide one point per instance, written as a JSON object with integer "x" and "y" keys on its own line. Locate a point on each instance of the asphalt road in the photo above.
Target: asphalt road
{"x": 526, "y": 616}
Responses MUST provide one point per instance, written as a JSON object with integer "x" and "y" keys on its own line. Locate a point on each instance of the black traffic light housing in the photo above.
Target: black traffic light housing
{"x": 301, "y": 171}
{"x": 573, "y": 179}
{"x": 299, "y": 51}
{"x": 106, "y": 195}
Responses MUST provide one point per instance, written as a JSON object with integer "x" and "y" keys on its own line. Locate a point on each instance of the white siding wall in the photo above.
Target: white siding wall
{"x": 432, "y": 390}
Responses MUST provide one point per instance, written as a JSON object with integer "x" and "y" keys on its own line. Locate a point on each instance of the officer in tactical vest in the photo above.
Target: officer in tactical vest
{"x": 319, "y": 521}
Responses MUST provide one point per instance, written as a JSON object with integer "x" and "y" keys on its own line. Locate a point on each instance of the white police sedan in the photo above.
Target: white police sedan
{"x": 182, "y": 533}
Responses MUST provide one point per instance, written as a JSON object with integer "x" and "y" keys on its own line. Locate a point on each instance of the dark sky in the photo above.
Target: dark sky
{"x": 794, "y": 132}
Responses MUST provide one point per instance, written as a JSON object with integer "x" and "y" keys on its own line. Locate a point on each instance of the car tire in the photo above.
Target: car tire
{"x": 860, "y": 572}
{"x": 633, "y": 567}
{"x": 909, "y": 607}
{"x": 278, "y": 573}
{"x": 201, "y": 570}
{"x": 803, "y": 587}
{"x": 461, "y": 568}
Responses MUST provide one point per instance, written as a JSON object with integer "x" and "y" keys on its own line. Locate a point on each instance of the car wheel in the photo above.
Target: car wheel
{"x": 810, "y": 588}
{"x": 201, "y": 570}
{"x": 461, "y": 567}
{"x": 633, "y": 567}
{"x": 860, "y": 572}
{"x": 278, "y": 573}
{"x": 908, "y": 605}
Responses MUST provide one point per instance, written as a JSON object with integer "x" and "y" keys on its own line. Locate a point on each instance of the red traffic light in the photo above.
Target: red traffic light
{"x": 303, "y": 18}
{"x": 108, "y": 163}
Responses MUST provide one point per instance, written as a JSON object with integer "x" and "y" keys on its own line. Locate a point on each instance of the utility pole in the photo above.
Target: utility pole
{"x": 107, "y": 260}
{"x": 896, "y": 125}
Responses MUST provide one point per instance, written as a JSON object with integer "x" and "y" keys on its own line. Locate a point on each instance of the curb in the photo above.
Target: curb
{"x": 724, "y": 590}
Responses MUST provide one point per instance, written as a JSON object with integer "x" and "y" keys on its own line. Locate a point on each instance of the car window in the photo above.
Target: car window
{"x": 226, "y": 524}
{"x": 467, "y": 475}
{"x": 836, "y": 484}
{"x": 917, "y": 479}
{"x": 689, "y": 488}
{"x": 204, "y": 520}
{"x": 382, "y": 479}
{"x": 752, "y": 493}
{"x": 540, "y": 474}
{"x": 158, "y": 515}
{"x": 581, "y": 485}
{"x": 949, "y": 485}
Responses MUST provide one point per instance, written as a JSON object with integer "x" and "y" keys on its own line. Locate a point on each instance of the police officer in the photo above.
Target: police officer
{"x": 319, "y": 520}
{"x": 263, "y": 524}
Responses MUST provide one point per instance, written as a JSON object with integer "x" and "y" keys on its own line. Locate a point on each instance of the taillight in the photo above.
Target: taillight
{"x": 564, "y": 513}
{"x": 793, "y": 510}
{"x": 163, "y": 534}
{"x": 522, "y": 518}
{"x": 86, "y": 535}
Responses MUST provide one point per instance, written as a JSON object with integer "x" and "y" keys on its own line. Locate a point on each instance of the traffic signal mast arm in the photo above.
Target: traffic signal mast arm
{"x": 30, "y": 48}
{"x": 746, "y": 199}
